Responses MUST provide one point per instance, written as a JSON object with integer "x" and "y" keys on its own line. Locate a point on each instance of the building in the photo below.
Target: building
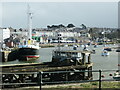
{"x": 4, "y": 33}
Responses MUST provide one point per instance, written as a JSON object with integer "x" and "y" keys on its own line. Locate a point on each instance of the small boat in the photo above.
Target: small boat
{"x": 66, "y": 45}
{"x": 118, "y": 50}
{"x": 116, "y": 76}
{"x": 105, "y": 53}
{"x": 107, "y": 49}
{"x": 93, "y": 51}
{"x": 75, "y": 47}
{"x": 81, "y": 45}
{"x": 95, "y": 46}
{"x": 85, "y": 48}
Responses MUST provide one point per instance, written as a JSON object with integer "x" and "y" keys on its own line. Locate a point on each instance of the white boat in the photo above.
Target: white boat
{"x": 81, "y": 45}
{"x": 105, "y": 53}
{"x": 116, "y": 76}
{"x": 66, "y": 45}
{"x": 75, "y": 47}
{"x": 85, "y": 48}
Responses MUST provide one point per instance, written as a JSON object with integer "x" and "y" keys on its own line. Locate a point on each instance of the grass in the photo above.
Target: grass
{"x": 106, "y": 85}
{"x": 111, "y": 84}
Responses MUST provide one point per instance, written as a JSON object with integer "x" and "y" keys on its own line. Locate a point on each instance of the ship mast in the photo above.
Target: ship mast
{"x": 29, "y": 23}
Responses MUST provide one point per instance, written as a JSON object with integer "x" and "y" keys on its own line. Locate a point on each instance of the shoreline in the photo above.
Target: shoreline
{"x": 69, "y": 44}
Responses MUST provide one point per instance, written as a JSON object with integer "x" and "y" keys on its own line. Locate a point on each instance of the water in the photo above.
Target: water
{"x": 104, "y": 62}
{"x": 99, "y": 62}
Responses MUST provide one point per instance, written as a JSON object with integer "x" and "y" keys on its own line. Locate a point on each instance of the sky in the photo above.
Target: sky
{"x": 92, "y": 14}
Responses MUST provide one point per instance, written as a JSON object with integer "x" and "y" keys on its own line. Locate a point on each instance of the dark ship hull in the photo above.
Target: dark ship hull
{"x": 24, "y": 54}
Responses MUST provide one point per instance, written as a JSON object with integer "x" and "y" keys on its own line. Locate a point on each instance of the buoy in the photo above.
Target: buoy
{"x": 110, "y": 74}
{"x": 102, "y": 76}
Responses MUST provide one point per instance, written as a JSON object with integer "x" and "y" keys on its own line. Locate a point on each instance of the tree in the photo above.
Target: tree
{"x": 15, "y": 30}
{"x": 83, "y": 26}
{"x": 70, "y": 25}
{"x": 91, "y": 33}
{"x": 61, "y": 26}
{"x": 20, "y": 29}
{"x": 48, "y": 26}
{"x": 54, "y": 26}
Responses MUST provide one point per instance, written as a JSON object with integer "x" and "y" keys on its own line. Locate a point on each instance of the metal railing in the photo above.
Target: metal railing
{"x": 40, "y": 79}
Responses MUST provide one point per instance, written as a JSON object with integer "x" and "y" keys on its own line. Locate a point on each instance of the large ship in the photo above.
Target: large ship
{"x": 24, "y": 53}
{"x": 29, "y": 50}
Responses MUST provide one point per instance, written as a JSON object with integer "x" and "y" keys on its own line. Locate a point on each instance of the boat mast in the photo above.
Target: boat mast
{"x": 58, "y": 38}
{"x": 29, "y": 23}
{"x": 104, "y": 37}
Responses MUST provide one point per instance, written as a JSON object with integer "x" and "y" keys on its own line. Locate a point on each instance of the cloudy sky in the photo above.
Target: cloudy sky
{"x": 92, "y": 14}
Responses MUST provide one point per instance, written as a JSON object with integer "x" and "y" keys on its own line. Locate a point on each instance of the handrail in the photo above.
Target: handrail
{"x": 40, "y": 80}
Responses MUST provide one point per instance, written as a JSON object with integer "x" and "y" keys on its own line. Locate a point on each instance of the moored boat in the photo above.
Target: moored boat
{"x": 24, "y": 53}
{"x": 93, "y": 51}
{"x": 107, "y": 49}
{"x": 105, "y": 53}
{"x": 118, "y": 50}
{"x": 116, "y": 76}
{"x": 95, "y": 46}
{"x": 28, "y": 52}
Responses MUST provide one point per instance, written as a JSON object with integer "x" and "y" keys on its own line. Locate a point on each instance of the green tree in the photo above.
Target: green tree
{"x": 70, "y": 25}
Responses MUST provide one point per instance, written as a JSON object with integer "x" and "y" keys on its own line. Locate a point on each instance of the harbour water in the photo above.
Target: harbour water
{"x": 99, "y": 62}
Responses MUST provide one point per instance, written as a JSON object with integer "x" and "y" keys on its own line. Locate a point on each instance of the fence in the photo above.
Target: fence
{"x": 42, "y": 78}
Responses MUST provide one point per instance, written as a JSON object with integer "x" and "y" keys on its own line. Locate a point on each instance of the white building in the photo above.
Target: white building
{"x": 19, "y": 34}
{"x": 46, "y": 35}
{"x": 54, "y": 34}
{"x": 4, "y": 33}
{"x": 67, "y": 34}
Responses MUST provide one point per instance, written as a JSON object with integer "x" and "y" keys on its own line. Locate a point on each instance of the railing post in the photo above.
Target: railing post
{"x": 40, "y": 80}
{"x": 100, "y": 79}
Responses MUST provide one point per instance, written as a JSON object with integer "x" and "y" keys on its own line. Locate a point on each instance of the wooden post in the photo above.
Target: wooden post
{"x": 100, "y": 79}
{"x": 90, "y": 72}
{"x": 40, "y": 80}
{"x": 89, "y": 57}
{"x": 3, "y": 57}
{"x": 22, "y": 78}
{"x": 84, "y": 58}
{"x": 66, "y": 75}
